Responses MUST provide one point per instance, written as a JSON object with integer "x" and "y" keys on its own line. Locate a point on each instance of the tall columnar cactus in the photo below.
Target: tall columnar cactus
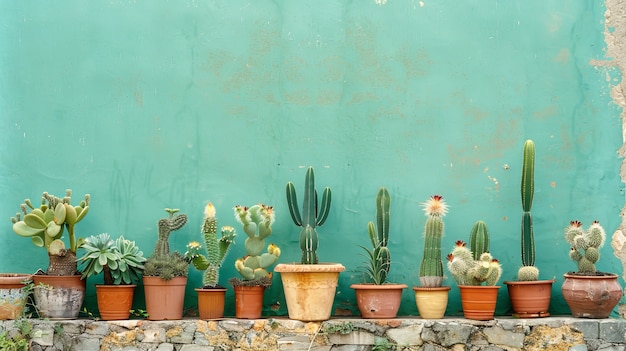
{"x": 216, "y": 248}
{"x": 311, "y": 217}
{"x": 257, "y": 224}
{"x": 163, "y": 263}
{"x": 45, "y": 224}
{"x": 585, "y": 245}
{"x": 528, "y": 271}
{"x": 379, "y": 256}
{"x": 469, "y": 271}
{"x": 431, "y": 269}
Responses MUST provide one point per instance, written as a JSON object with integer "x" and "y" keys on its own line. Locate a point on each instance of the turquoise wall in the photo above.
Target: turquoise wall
{"x": 154, "y": 104}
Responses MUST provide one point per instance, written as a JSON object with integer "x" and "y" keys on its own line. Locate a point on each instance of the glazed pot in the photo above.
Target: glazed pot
{"x": 211, "y": 303}
{"x": 378, "y": 301}
{"x": 58, "y": 296}
{"x": 249, "y": 301}
{"x": 164, "y": 298}
{"x": 591, "y": 296}
{"x": 115, "y": 301}
{"x": 479, "y": 302}
{"x": 530, "y": 299}
{"x": 431, "y": 302}
{"x": 12, "y": 294}
{"x": 309, "y": 289}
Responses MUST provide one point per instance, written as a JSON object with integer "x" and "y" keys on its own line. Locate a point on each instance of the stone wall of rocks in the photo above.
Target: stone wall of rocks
{"x": 337, "y": 335}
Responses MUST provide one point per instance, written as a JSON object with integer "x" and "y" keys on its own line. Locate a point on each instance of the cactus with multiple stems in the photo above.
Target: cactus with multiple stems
{"x": 528, "y": 271}
{"x": 216, "y": 248}
{"x": 257, "y": 224}
{"x": 431, "y": 268}
{"x": 164, "y": 263}
{"x": 467, "y": 270}
{"x": 45, "y": 225}
{"x": 379, "y": 256}
{"x": 585, "y": 245}
{"x": 311, "y": 216}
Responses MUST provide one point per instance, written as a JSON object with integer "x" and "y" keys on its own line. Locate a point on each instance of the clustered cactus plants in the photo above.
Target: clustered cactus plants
{"x": 257, "y": 224}
{"x": 585, "y": 245}
{"x": 45, "y": 224}
{"x": 474, "y": 265}
{"x": 164, "y": 263}
{"x": 311, "y": 217}
{"x": 379, "y": 256}
{"x": 528, "y": 271}
{"x": 216, "y": 248}
{"x": 431, "y": 268}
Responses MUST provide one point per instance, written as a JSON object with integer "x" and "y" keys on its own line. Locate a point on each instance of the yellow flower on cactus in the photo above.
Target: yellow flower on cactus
{"x": 209, "y": 210}
{"x": 435, "y": 206}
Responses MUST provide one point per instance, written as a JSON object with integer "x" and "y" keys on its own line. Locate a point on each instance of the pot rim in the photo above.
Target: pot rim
{"x": 305, "y": 268}
{"x": 530, "y": 282}
{"x": 439, "y": 288}
{"x": 372, "y": 286}
{"x": 575, "y": 275}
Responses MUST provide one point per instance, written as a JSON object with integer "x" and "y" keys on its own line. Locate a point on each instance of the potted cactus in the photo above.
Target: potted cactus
{"x": 253, "y": 267}
{"x": 431, "y": 297}
{"x": 588, "y": 292}
{"x": 377, "y": 298}
{"x": 476, "y": 273}
{"x": 121, "y": 263}
{"x": 211, "y": 294}
{"x": 59, "y": 291}
{"x": 310, "y": 286}
{"x": 165, "y": 272}
{"x": 530, "y": 297}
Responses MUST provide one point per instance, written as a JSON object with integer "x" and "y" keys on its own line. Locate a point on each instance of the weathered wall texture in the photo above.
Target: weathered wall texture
{"x": 615, "y": 34}
{"x": 543, "y": 334}
{"x": 154, "y": 104}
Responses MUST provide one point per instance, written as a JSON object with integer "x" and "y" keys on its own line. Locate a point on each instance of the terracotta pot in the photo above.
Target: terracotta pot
{"x": 431, "y": 302}
{"x": 591, "y": 296}
{"x": 378, "y": 301}
{"x": 12, "y": 295}
{"x": 115, "y": 301}
{"x": 164, "y": 298}
{"x": 530, "y": 299}
{"x": 249, "y": 301}
{"x": 211, "y": 303}
{"x": 58, "y": 296}
{"x": 479, "y": 302}
{"x": 309, "y": 289}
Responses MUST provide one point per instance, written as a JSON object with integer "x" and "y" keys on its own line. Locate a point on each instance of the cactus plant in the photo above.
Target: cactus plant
{"x": 431, "y": 268}
{"x": 585, "y": 245}
{"x": 164, "y": 263}
{"x": 257, "y": 224}
{"x": 216, "y": 248}
{"x": 528, "y": 271}
{"x": 466, "y": 270}
{"x": 45, "y": 225}
{"x": 311, "y": 216}
{"x": 379, "y": 258}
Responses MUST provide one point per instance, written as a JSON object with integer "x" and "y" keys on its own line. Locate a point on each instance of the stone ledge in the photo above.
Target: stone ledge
{"x": 338, "y": 334}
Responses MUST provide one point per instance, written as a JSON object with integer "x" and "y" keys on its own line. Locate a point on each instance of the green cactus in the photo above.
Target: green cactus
{"x": 163, "y": 263}
{"x": 431, "y": 268}
{"x": 257, "y": 224}
{"x": 528, "y": 271}
{"x": 379, "y": 256}
{"x": 45, "y": 225}
{"x": 468, "y": 270}
{"x": 585, "y": 245}
{"x": 216, "y": 248}
{"x": 311, "y": 217}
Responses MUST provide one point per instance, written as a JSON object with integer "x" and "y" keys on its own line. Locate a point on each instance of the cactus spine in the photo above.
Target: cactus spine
{"x": 216, "y": 248}
{"x": 431, "y": 268}
{"x": 257, "y": 224}
{"x": 466, "y": 270}
{"x": 528, "y": 271}
{"x": 379, "y": 256}
{"x": 311, "y": 217}
{"x": 585, "y": 245}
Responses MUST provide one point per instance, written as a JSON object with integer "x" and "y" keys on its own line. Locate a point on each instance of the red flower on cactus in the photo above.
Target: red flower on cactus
{"x": 576, "y": 224}
{"x": 460, "y": 243}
